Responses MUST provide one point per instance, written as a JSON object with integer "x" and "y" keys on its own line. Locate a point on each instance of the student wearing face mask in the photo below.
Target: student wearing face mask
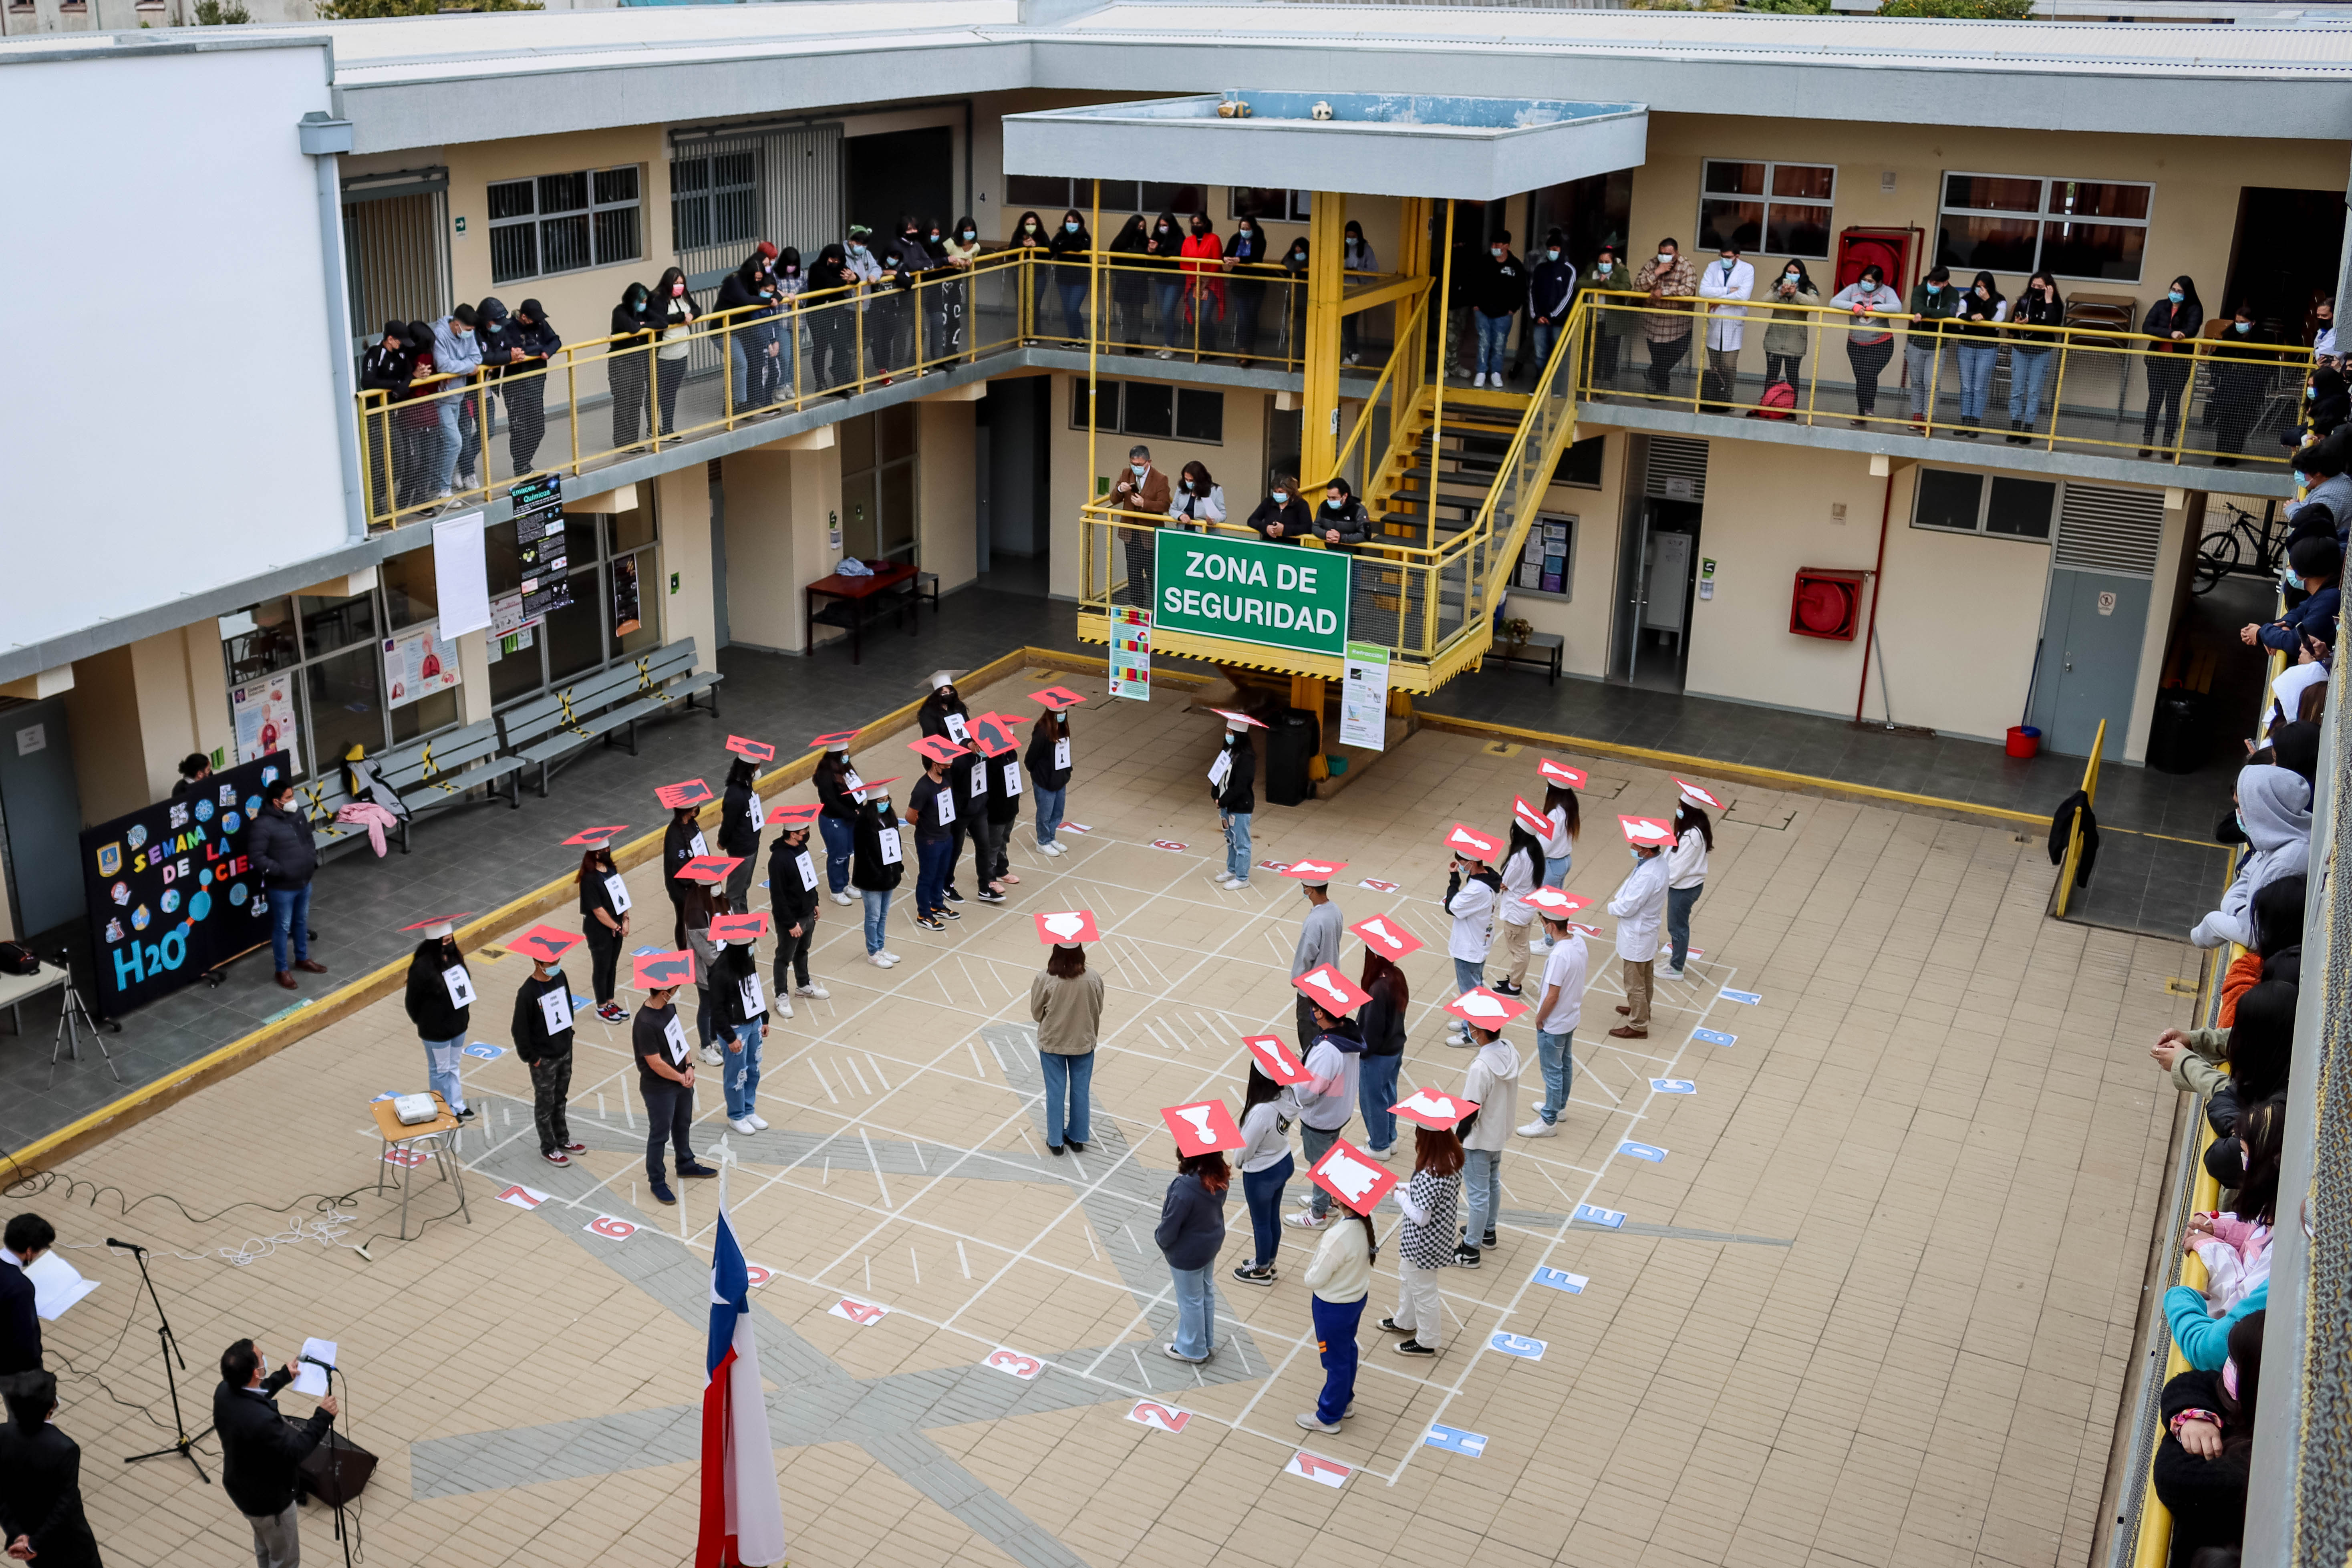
{"x": 1236, "y": 798}
{"x": 1281, "y": 518}
{"x": 786, "y": 280}
{"x": 960, "y": 250}
{"x": 1246, "y": 259}
{"x": 1788, "y": 333}
{"x": 742, "y": 300}
{"x": 456, "y": 352}
{"x": 1669, "y": 282}
{"x": 2040, "y": 311}
{"x": 877, "y": 865}
{"x": 1199, "y": 502}
{"x": 2243, "y": 358}
{"x": 1498, "y": 290}
{"x": 2173, "y": 321}
{"x": 1934, "y": 306}
{"x": 1030, "y": 238}
{"x": 1141, "y": 488}
{"x": 1868, "y": 343}
{"x": 1551, "y": 286}
{"x": 831, "y": 321}
{"x": 1294, "y": 301}
{"x": 1069, "y": 247}
{"x": 1356, "y": 255}
{"x": 1982, "y": 308}
{"x": 1127, "y": 277}
{"x": 604, "y": 917}
{"x": 1728, "y": 276}
{"x": 1611, "y": 318}
{"x": 387, "y": 367}
{"x": 674, "y": 313}
{"x": 1204, "y": 289}
{"x": 1161, "y": 248}
{"x": 2319, "y": 330}
{"x": 629, "y": 370}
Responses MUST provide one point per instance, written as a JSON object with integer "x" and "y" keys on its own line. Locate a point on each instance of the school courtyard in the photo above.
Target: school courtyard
{"x": 1886, "y": 1269}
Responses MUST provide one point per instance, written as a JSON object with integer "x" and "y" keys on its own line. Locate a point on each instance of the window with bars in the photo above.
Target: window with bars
{"x": 714, "y": 199}
{"x": 564, "y": 223}
{"x": 2023, "y": 224}
{"x": 1771, "y": 209}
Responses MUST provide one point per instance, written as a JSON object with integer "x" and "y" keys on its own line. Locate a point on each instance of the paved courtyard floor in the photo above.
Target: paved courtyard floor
{"x": 1874, "y": 1305}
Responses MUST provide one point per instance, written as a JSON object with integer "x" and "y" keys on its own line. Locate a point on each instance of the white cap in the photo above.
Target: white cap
{"x": 440, "y": 927}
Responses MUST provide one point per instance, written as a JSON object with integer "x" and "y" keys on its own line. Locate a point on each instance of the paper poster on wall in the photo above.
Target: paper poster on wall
{"x": 627, "y": 616}
{"x": 263, "y": 714}
{"x": 1130, "y": 654}
{"x": 1364, "y": 696}
{"x": 417, "y": 664}
{"x": 460, "y": 574}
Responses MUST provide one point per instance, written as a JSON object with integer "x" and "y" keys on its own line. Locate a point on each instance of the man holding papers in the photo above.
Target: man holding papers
{"x": 28, "y": 1236}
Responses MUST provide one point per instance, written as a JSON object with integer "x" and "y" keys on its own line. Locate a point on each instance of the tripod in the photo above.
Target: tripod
{"x": 169, "y": 1344}
{"x": 73, "y": 1016}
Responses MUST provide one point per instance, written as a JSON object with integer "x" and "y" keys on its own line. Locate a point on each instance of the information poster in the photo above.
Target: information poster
{"x": 1364, "y": 696}
{"x": 263, "y": 714}
{"x": 542, "y": 546}
{"x": 418, "y": 664}
{"x": 170, "y": 890}
{"x": 1131, "y": 653}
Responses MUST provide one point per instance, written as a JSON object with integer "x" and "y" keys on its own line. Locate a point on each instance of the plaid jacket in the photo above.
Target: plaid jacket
{"x": 1659, "y": 324}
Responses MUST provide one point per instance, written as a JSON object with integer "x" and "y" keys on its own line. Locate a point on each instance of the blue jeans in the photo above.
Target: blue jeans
{"x": 1558, "y": 1072}
{"x": 290, "y": 912}
{"x": 1196, "y": 1313}
{"x": 1678, "y": 908}
{"x": 1376, "y": 1090}
{"x": 2028, "y": 369}
{"x": 1069, "y": 1111}
{"x": 742, "y": 1070}
{"x": 1237, "y": 844}
{"x": 460, "y": 435}
{"x": 1074, "y": 310}
{"x": 1976, "y": 378}
{"x": 441, "y": 1059}
{"x": 1334, "y": 1337}
{"x": 1555, "y": 870}
{"x": 1049, "y": 812}
{"x": 1482, "y": 1187}
{"x": 1262, "y": 1189}
{"x": 878, "y": 909}
{"x": 840, "y": 838}
{"x": 1170, "y": 298}
{"x": 1493, "y": 335}
{"x": 1469, "y": 974}
{"x": 931, "y": 858}
{"x": 1545, "y": 334}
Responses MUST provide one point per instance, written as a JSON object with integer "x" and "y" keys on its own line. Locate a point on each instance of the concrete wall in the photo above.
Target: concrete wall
{"x": 682, "y": 506}
{"x": 947, "y": 538}
{"x": 1582, "y": 620}
{"x": 780, "y": 506}
{"x": 134, "y": 711}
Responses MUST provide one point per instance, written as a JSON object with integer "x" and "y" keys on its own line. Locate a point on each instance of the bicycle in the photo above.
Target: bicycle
{"x": 2225, "y": 551}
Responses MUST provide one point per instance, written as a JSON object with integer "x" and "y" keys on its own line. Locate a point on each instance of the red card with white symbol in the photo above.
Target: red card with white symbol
{"x": 1057, "y": 697}
{"x": 1484, "y": 1008}
{"x": 794, "y": 816}
{"x": 1696, "y": 795}
{"x": 1064, "y": 926}
{"x": 831, "y": 739}
{"x": 692, "y": 791}
{"x": 938, "y": 748}
{"x": 1243, "y": 720}
{"x": 1353, "y": 1177}
{"x": 1561, "y": 773}
{"x": 1384, "y": 936}
{"x": 870, "y": 785}
{"x": 995, "y": 733}
{"x": 1466, "y": 841}
{"x": 1558, "y": 905}
{"x": 712, "y": 869}
{"x": 662, "y": 971}
{"x": 1274, "y": 1060}
{"x": 545, "y": 943}
{"x": 588, "y": 835}
{"x": 739, "y": 928}
{"x": 1647, "y": 831}
{"x": 1333, "y": 991}
{"x": 1202, "y": 1129}
{"x": 758, "y": 751}
{"x": 1433, "y": 1108}
{"x": 438, "y": 919}
{"x": 1312, "y": 870}
{"x": 1530, "y": 817}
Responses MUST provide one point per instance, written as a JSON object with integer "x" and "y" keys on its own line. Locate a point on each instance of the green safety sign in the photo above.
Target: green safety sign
{"x": 1280, "y": 596}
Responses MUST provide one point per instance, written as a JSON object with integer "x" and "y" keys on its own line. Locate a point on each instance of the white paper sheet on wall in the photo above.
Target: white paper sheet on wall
{"x": 460, "y": 576}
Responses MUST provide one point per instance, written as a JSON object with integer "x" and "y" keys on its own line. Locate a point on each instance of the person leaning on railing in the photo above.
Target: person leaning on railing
{"x": 629, "y": 365}
{"x": 1203, "y": 256}
{"x": 833, "y": 354}
{"x": 456, "y": 352}
{"x": 1281, "y": 518}
{"x": 2173, "y": 321}
{"x": 2037, "y": 306}
{"x": 1609, "y": 316}
{"x": 2243, "y": 357}
{"x": 1129, "y": 286}
{"x": 387, "y": 368}
{"x": 1869, "y": 344}
{"x": 1665, "y": 320}
{"x": 961, "y": 250}
{"x": 1199, "y": 503}
{"x": 1160, "y": 249}
{"x": 750, "y": 346}
{"x": 672, "y": 312}
{"x": 1788, "y": 333}
{"x": 1934, "y": 306}
{"x": 1069, "y": 247}
{"x": 1246, "y": 258}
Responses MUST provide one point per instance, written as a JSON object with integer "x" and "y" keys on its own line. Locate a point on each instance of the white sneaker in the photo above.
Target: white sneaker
{"x": 445, "y": 493}
{"x": 816, "y": 992}
{"x": 758, "y": 1120}
{"x": 1307, "y": 1219}
{"x": 877, "y": 961}
{"x": 1056, "y": 849}
{"x": 468, "y": 482}
{"x": 743, "y": 1126}
{"x": 891, "y": 956}
{"x": 1670, "y": 975}
{"x": 1382, "y": 1155}
{"x": 1540, "y": 1128}
{"x": 711, "y": 1057}
{"x": 843, "y": 898}
{"x": 783, "y": 1007}
{"x": 1479, "y": 380}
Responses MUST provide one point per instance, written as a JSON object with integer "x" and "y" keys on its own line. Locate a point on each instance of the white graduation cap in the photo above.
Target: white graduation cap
{"x": 1234, "y": 721}
{"x": 1694, "y": 795}
{"x": 943, "y": 677}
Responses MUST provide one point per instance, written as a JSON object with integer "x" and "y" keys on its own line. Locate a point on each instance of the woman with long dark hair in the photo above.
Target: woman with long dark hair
{"x": 628, "y": 364}
{"x": 1237, "y": 798}
{"x": 604, "y": 917}
{"x": 1267, "y": 1166}
{"x": 1339, "y": 1280}
{"x": 1124, "y": 274}
{"x": 1161, "y": 249}
{"x": 1522, "y": 865}
{"x": 682, "y": 841}
{"x": 1066, "y": 1002}
{"x": 2243, "y": 358}
{"x": 740, "y": 1017}
{"x": 831, "y": 321}
{"x": 1686, "y": 879}
{"x": 1049, "y": 760}
{"x": 1030, "y": 238}
{"x": 2234, "y": 1241}
{"x": 738, "y": 831}
{"x": 2206, "y": 1455}
{"x": 1383, "y": 1018}
{"x": 2040, "y": 306}
{"x": 671, "y": 314}
{"x": 2173, "y": 321}
{"x": 1560, "y": 844}
{"x": 1245, "y": 258}
{"x": 1432, "y": 1203}
{"x": 701, "y": 906}
{"x": 1191, "y": 1229}
{"x": 1070, "y": 249}
{"x": 837, "y": 792}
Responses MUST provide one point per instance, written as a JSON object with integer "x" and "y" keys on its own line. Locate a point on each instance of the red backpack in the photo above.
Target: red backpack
{"x": 1779, "y": 400}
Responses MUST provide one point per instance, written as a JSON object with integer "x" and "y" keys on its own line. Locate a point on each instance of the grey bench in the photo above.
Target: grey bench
{"x": 547, "y": 731}
{"x": 435, "y": 774}
{"x": 1544, "y": 650}
{"x": 318, "y": 800}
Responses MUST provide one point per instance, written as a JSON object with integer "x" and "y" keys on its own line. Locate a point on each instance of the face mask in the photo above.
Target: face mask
{"x": 857, "y": 249}
{"x": 2240, "y": 821}
{"x": 966, "y": 236}
{"x": 1666, "y": 258}
{"x": 1069, "y": 228}
{"x": 1030, "y": 228}
{"x": 1499, "y": 255}
{"x": 1636, "y": 853}
{"x": 1728, "y": 263}
{"x": 1231, "y": 735}
{"x": 792, "y": 271}
{"x": 2243, "y": 326}
{"x": 1281, "y": 498}
{"x": 2311, "y": 392}
{"x": 1551, "y": 256}
{"x": 1605, "y": 268}
{"x": 1871, "y": 283}
{"x": 1200, "y": 228}
{"x": 2175, "y": 296}
{"x": 677, "y": 290}
{"x": 1334, "y": 505}
{"x": 1935, "y": 288}
{"x": 1790, "y": 277}
{"x": 1137, "y": 469}
{"x": 465, "y": 331}
{"x": 1246, "y": 231}
{"x": 935, "y": 234}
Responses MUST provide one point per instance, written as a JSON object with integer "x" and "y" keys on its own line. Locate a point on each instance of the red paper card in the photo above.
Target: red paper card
{"x": 736, "y": 928}
{"x": 692, "y": 791}
{"x": 711, "y": 868}
{"x": 1646, "y": 831}
{"x": 1274, "y": 1060}
{"x": 1057, "y": 697}
{"x": 1333, "y": 991}
{"x": 1466, "y": 841}
{"x": 1384, "y": 936}
{"x": 1067, "y": 926}
{"x": 1433, "y": 1108}
{"x": 1484, "y": 1008}
{"x": 758, "y": 751}
{"x": 545, "y": 943}
{"x": 1353, "y": 1177}
{"x": 662, "y": 971}
{"x": 1202, "y": 1129}
{"x": 1562, "y": 773}
{"x": 588, "y": 835}
{"x": 1313, "y": 871}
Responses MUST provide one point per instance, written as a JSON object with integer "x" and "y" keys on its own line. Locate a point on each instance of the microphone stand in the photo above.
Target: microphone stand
{"x": 343, "y": 1533}
{"x": 168, "y": 1344}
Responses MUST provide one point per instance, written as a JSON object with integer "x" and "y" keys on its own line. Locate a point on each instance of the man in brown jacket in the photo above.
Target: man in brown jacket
{"x": 1141, "y": 488}
{"x": 1667, "y": 320}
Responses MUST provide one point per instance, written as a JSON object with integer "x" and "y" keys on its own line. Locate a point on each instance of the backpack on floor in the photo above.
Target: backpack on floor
{"x": 1779, "y": 400}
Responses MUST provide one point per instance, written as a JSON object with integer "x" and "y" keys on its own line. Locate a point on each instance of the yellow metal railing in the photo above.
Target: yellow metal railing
{"x": 2073, "y": 857}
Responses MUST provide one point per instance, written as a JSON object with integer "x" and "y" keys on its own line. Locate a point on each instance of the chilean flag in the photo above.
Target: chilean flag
{"x": 743, "y": 1517}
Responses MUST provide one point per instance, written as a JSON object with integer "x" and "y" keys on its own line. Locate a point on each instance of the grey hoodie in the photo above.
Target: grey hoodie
{"x": 1493, "y": 1086}
{"x": 2275, "y": 807}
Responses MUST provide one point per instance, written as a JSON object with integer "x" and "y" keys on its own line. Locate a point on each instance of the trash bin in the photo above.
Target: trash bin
{"x": 2173, "y": 740}
{"x": 1293, "y": 739}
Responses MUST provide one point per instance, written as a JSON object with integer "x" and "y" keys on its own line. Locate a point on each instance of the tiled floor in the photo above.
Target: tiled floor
{"x": 1873, "y": 1306}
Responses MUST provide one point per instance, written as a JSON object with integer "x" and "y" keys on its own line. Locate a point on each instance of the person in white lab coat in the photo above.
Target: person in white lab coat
{"x": 1728, "y": 276}
{"x": 1522, "y": 869}
{"x": 1472, "y": 891}
{"x": 1685, "y": 875}
{"x": 1640, "y": 907}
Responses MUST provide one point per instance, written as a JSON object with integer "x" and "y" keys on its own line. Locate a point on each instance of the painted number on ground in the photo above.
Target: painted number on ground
{"x": 864, "y": 1315}
{"x": 1025, "y": 1367}
{"x": 1315, "y": 1469}
{"x": 612, "y": 1227}
{"x": 1150, "y": 1412}
{"x": 758, "y": 1275}
{"x": 1376, "y": 885}
{"x": 523, "y": 1197}
{"x": 1170, "y": 845}
{"x": 1455, "y": 1440}
{"x": 1519, "y": 1345}
{"x": 406, "y": 1159}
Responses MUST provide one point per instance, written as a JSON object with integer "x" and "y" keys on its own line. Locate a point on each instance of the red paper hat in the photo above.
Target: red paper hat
{"x": 1561, "y": 773}
{"x": 1274, "y": 1060}
{"x": 739, "y": 928}
{"x": 1484, "y": 1008}
{"x": 997, "y": 732}
{"x": 1243, "y": 720}
{"x": 1647, "y": 831}
{"x": 1067, "y": 928}
{"x": 1384, "y": 936}
{"x": 1554, "y": 902}
{"x": 431, "y": 921}
{"x": 1057, "y": 697}
{"x": 545, "y": 943}
{"x": 596, "y": 838}
{"x": 1530, "y": 817}
{"x": 1697, "y": 796}
{"x": 832, "y": 740}
{"x": 1433, "y": 1109}
{"x": 1202, "y": 1129}
{"x": 758, "y": 751}
{"x": 794, "y": 816}
{"x": 1466, "y": 841}
{"x": 663, "y": 971}
{"x": 692, "y": 791}
{"x": 1315, "y": 871}
{"x": 863, "y": 790}
{"x": 1333, "y": 991}
{"x": 713, "y": 869}
{"x": 1353, "y": 1177}
{"x": 936, "y": 748}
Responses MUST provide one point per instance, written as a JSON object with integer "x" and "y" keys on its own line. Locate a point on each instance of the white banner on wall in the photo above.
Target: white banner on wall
{"x": 418, "y": 664}
{"x": 461, "y": 577}
{"x": 1364, "y": 696}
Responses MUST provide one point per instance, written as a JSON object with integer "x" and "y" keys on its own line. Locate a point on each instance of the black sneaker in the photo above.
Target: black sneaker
{"x": 988, "y": 898}
{"x": 698, "y": 1169}
{"x": 662, "y": 1194}
{"x": 954, "y": 896}
{"x": 1255, "y": 1275}
{"x": 950, "y": 914}
{"x": 1504, "y": 988}
{"x": 1076, "y": 1147}
{"x": 930, "y": 923}
{"x": 1414, "y": 1347}
{"x": 1391, "y": 1326}
{"x": 1466, "y": 1257}
{"x": 1489, "y": 1241}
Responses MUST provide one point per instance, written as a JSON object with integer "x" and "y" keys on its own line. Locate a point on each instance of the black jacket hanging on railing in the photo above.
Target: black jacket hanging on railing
{"x": 2061, "y": 823}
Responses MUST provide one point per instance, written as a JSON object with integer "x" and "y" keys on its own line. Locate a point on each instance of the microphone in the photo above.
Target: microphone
{"x": 126, "y": 1245}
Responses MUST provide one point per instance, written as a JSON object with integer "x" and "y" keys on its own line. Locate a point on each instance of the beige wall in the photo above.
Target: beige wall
{"x": 1582, "y": 620}
{"x": 682, "y": 500}
{"x": 1236, "y": 462}
{"x": 780, "y": 506}
{"x": 946, "y": 522}
{"x": 134, "y": 711}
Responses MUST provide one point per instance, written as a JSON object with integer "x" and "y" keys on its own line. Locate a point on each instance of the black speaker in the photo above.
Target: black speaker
{"x": 334, "y": 1472}
{"x": 1292, "y": 742}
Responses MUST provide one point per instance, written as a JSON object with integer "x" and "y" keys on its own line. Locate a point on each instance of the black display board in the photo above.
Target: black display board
{"x": 540, "y": 545}
{"x": 170, "y": 890}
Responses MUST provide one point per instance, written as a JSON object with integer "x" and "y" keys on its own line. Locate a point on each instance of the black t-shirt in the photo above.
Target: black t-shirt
{"x": 650, "y": 1035}
{"x": 924, "y": 806}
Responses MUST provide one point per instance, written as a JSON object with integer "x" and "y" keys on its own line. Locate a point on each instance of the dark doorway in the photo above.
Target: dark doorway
{"x": 1657, "y": 574}
{"x": 901, "y": 172}
{"x": 1591, "y": 212}
{"x": 2282, "y": 279}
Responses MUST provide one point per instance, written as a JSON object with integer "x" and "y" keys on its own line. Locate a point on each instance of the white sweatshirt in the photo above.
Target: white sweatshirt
{"x": 1686, "y": 861}
{"x": 1519, "y": 880}
{"x": 1473, "y": 909}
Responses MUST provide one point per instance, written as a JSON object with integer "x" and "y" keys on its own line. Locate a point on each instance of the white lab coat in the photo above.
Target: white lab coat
{"x": 1640, "y": 907}
{"x": 1725, "y": 323}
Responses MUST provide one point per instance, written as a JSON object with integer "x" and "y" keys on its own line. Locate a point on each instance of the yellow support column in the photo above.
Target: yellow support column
{"x": 1412, "y": 261}
{"x": 1319, "y": 423}
{"x": 1307, "y": 693}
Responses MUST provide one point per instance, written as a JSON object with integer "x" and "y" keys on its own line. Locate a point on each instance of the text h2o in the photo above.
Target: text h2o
{"x": 135, "y": 962}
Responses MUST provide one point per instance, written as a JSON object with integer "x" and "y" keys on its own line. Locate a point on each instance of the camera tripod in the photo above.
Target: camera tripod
{"x": 73, "y": 1016}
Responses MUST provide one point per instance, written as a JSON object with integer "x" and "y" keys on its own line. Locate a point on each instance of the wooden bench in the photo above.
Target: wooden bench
{"x": 435, "y": 774}
{"x": 1544, "y": 650}
{"x": 548, "y": 730}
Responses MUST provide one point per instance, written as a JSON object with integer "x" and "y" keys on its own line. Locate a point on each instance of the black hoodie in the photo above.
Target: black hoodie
{"x": 499, "y": 340}
{"x": 633, "y": 320}
{"x": 792, "y": 896}
{"x": 677, "y": 848}
{"x": 869, "y": 872}
{"x": 387, "y": 368}
{"x": 532, "y": 332}
{"x": 437, "y": 1016}
{"x": 532, "y": 1040}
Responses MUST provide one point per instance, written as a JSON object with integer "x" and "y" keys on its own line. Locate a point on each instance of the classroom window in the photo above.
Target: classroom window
{"x": 1773, "y": 209}
{"x": 1581, "y": 464}
{"x": 714, "y": 199}
{"x": 1053, "y": 197}
{"x": 1270, "y": 206}
{"x": 1149, "y": 408}
{"x": 1960, "y": 503}
{"x": 563, "y": 223}
{"x": 2094, "y": 230}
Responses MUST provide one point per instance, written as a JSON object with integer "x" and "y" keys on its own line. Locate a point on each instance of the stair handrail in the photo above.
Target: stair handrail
{"x": 1405, "y": 343}
{"x": 1571, "y": 335}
